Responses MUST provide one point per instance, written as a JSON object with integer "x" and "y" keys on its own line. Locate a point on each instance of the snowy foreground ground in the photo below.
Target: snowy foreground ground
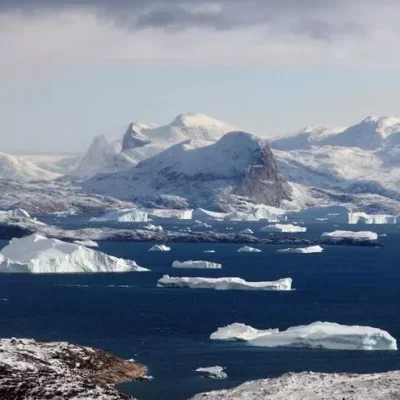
{"x": 314, "y": 386}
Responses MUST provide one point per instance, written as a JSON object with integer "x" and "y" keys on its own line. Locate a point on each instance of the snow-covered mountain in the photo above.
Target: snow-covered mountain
{"x": 18, "y": 169}
{"x": 144, "y": 140}
{"x": 237, "y": 168}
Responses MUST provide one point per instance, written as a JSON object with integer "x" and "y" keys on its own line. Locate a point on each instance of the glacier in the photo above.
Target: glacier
{"x": 223, "y": 283}
{"x": 284, "y": 228}
{"x": 39, "y": 255}
{"x": 248, "y": 249}
{"x": 317, "y": 335}
{"x": 196, "y": 264}
{"x": 303, "y": 250}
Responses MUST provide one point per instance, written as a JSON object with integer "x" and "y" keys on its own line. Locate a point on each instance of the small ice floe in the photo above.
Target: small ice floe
{"x": 247, "y": 231}
{"x": 248, "y": 249}
{"x": 303, "y": 250}
{"x": 87, "y": 243}
{"x": 196, "y": 264}
{"x": 216, "y": 372}
{"x": 383, "y": 235}
{"x": 209, "y": 251}
{"x": 286, "y": 228}
{"x": 160, "y": 247}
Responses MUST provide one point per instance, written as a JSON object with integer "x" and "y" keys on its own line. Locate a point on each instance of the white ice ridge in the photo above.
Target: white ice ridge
{"x": 38, "y": 254}
{"x": 318, "y": 335}
{"x": 303, "y": 250}
{"x": 223, "y": 283}
{"x": 363, "y": 218}
{"x": 216, "y": 372}
{"x": 248, "y": 249}
{"x": 196, "y": 264}
{"x": 160, "y": 247}
{"x": 123, "y": 216}
{"x": 87, "y": 243}
{"x": 340, "y": 235}
{"x": 238, "y": 331}
{"x": 284, "y": 228}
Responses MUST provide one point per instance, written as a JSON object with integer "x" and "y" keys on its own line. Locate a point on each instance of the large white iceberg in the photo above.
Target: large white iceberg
{"x": 356, "y": 236}
{"x": 38, "y": 254}
{"x": 318, "y": 335}
{"x": 201, "y": 214}
{"x": 303, "y": 250}
{"x": 216, "y": 372}
{"x": 248, "y": 249}
{"x": 160, "y": 247}
{"x": 284, "y": 228}
{"x": 238, "y": 331}
{"x": 165, "y": 213}
{"x": 363, "y": 218}
{"x": 123, "y": 216}
{"x": 196, "y": 264}
{"x": 223, "y": 283}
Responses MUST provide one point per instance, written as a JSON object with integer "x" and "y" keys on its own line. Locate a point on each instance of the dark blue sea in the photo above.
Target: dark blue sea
{"x": 168, "y": 329}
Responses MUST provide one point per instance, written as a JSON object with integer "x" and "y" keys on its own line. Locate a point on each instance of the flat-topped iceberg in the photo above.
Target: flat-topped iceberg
{"x": 196, "y": 264}
{"x": 165, "y": 213}
{"x": 216, "y": 372}
{"x": 38, "y": 254}
{"x": 286, "y": 228}
{"x": 238, "y": 331}
{"x": 303, "y": 250}
{"x": 223, "y": 283}
{"x": 123, "y": 216}
{"x": 318, "y": 335}
{"x": 370, "y": 219}
{"x": 87, "y": 243}
{"x": 160, "y": 247}
{"x": 349, "y": 235}
{"x": 248, "y": 249}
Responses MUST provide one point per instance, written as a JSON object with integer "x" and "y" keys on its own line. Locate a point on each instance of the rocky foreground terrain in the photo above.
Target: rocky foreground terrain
{"x": 59, "y": 370}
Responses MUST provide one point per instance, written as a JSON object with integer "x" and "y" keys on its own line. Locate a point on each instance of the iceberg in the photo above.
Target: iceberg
{"x": 247, "y": 231}
{"x": 160, "y": 247}
{"x": 151, "y": 227}
{"x": 165, "y": 213}
{"x": 196, "y": 264}
{"x": 209, "y": 251}
{"x": 223, "y": 283}
{"x": 318, "y": 335}
{"x": 258, "y": 213}
{"x": 363, "y": 218}
{"x": 336, "y": 236}
{"x": 201, "y": 225}
{"x": 87, "y": 243}
{"x": 248, "y": 249}
{"x": 238, "y": 331}
{"x": 303, "y": 250}
{"x": 123, "y": 216}
{"x": 284, "y": 228}
{"x": 216, "y": 372}
{"x": 37, "y": 254}
{"x": 201, "y": 214}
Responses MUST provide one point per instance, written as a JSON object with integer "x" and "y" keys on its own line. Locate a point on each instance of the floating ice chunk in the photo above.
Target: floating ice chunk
{"x": 209, "y": 251}
{"x": 328, "y": 335}
{"x": 160, "y": 247}
{"x": 196, "y": 264}
{"x": 123, "y": 216}
{"x": 87, "y": 243}
{"x": 238, "y": 331}
{"x": 303, "y": 250}
{"x": 363, "y": 218}
{"x": 216, "y": 372}
{"x": 223, "y": 283}
{"x": 248, "y": 249}
{"x": 169, "y": 214}
{"x": 38, "y": 254}
{"x": 201, "y": 225}
{"x": 342, "y": 235}
{"x": 284, "y": 228}
{"x": 151, "y": 227}
{"x": 247, "y": 231}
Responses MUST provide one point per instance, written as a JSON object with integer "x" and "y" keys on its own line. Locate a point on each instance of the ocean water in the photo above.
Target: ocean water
{"x": 168, "y": 329}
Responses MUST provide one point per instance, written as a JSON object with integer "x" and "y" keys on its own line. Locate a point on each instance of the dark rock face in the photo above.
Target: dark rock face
{"x": 58, "y": 370}
{"x": 133, "y": 139}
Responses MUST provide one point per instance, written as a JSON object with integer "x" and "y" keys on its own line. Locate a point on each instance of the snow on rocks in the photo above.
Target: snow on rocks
{"x": 160, "y": 247}
{"x": 223, "y": 283}
{"x": 216, "y": 372}
{"x": 314, "y": 386}
{"x": 87, "y": 243}
{"x": 303, "y": 250}
{"x": 37, "y": 254}
{"x": 359, "y": 236}
{"x": 363, "y": 218}
{"x": 238, "y": 331}
{"x": 19, "y": 213}
{"x": 318, "y": 335}
{"x": 286, "y": 228}
{"x": 248, "y": 249}
{"x": 196, "y": 264}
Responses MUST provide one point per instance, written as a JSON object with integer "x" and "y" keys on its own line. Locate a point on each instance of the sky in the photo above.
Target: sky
{"x": 71, "y": 70}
